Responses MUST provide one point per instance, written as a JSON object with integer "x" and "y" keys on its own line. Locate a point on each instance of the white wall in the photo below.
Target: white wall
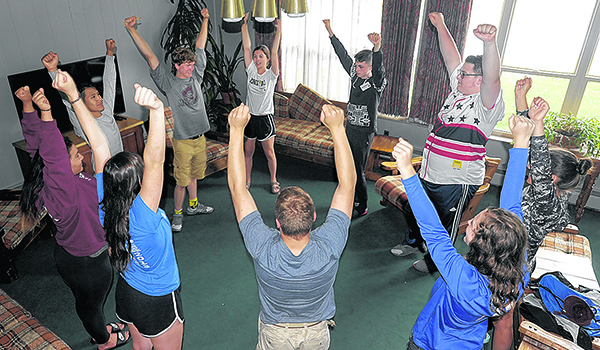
{"x": 76, "y": 30}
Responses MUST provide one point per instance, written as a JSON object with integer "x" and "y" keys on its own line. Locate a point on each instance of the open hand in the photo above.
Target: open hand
{"x": 23, "y": 94}
{"x": 40, "y": 100}
{"x": 146, "y": 97}
{"x": 332, "y": 116}
{"x": 485, "y": 32}
{"x": 239, "y": 117}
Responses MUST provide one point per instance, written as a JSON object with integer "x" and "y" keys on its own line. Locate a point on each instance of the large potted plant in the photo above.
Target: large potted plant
{"x": 569, "y": 131}
{"x": 218, "y": 77}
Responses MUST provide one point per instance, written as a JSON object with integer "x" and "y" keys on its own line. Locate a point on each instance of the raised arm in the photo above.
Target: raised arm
{"x": 246, "y": 42}
{"x": 537, "y": 112}
{"x": 154, "y": 152}
{"x": 243, "y": 202}
{"x": 490, "y": 84}
{"x": 522, "y": 87}
{"x": 447, "y": 45}
{"x": 131, "y": 24}
{"x": 275, "y": 48}
{"x": 203, "y": 35}
{"x": 343, "y": 198}
{"x": 64, "y": 82}
{"x": 109, "y": 77}
{"x": 327, "y": 23}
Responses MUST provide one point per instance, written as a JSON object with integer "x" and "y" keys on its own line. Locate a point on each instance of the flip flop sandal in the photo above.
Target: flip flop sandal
{"x": 121, "y": 339}
{"x": 275, "y": 187}
{"x": 114, "y": 329}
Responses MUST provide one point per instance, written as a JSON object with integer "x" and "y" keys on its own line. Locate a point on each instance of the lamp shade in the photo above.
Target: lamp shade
{"x": 264, "y": 10}
{"x": 232, "y": 10}
{"x": 295, "y": 8}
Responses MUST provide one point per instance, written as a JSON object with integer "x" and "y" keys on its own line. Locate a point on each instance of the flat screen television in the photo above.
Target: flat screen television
{"x": 86, "y": 71}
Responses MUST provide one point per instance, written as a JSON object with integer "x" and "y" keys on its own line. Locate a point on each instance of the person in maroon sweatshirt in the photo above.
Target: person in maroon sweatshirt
{"x": 58, "y": 183}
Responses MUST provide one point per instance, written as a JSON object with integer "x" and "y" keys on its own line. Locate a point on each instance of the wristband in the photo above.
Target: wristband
{"x": 45, "y": 110}
{"x": 77, "y": 99}
{"x": 524, "y": 113}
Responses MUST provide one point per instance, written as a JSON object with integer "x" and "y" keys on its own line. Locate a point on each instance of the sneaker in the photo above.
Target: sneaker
{"x": 421, "y": 266}
{"x": 405, "y": 249}
{"x": 200, "y": 209}
{"x": 357, "y": 214}
{"x": 177, "y": 222}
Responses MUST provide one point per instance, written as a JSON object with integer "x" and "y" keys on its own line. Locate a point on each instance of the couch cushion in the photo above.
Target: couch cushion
{"x": 216, "y": 149}
{"x": 305, "y": 104}
{"x": 318, "y": 142}
{"x": 20, "y": 330}
{"x": 392, "y": 189}
{"x": 291, "y": 131}
{"x": 281, "y": 104}
{"x": 10, "y": 222}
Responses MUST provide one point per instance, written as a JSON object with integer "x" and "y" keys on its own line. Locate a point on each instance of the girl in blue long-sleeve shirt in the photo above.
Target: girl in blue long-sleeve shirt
{"x": 489, "y": 279}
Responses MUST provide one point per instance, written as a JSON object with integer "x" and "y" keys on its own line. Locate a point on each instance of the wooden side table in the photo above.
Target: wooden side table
{"x": 586, "y": 189}
{"x": 382, "y": 144}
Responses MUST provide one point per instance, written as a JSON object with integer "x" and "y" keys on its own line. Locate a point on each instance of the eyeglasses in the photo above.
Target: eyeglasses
{"x": 462, "y": 73}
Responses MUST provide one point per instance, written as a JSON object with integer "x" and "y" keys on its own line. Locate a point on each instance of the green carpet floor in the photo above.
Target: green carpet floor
{"x": 378, "y": 295}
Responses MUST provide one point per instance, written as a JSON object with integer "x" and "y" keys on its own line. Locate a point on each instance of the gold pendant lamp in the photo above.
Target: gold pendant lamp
{"x": 264, "y": 10}
{"x": 294, "y": 8}
{"x": 232, "y": 10}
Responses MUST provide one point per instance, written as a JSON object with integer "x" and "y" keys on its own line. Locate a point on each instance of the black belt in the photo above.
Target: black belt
{"x": 195, "y": 137}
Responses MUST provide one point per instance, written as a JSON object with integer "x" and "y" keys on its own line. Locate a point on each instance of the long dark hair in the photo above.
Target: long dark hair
{"x": 32, "y": 185}
{"x": 568, "y": 168}
{"x": 498, "y": 252}
{"x": 122, "y": 175}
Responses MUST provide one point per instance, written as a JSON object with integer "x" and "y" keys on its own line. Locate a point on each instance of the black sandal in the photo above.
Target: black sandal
{"x": 114, "y": 329}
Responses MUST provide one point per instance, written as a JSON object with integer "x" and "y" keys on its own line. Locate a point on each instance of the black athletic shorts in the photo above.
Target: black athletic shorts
{"x": 151, "y": 315}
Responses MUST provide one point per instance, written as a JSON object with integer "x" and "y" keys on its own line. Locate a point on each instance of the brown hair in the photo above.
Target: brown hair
{"x": 498, "y": 252}
{"x": 266, "y": 51}
{"x": 295, "y": 211}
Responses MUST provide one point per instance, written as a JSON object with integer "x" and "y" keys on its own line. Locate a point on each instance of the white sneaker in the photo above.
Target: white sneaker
{"x": 177, "y": 222}
{"x": 199, "y": 209}
{"x": 421, "y": 266}
{"x": 404, "y": 249}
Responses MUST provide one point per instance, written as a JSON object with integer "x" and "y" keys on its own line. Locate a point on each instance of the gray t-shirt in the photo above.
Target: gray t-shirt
{"x": 296, "y": 289}
{"x": 105, "y": 121}
{"x": 185, "y": 98}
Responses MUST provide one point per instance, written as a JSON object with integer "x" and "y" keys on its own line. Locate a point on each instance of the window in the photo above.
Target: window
{"x": 553, "y": 43}
{"x": 306, "y": 52}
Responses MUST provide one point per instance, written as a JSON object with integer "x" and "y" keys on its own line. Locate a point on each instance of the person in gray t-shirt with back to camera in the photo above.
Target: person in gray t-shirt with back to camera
{"x": 184, "y": 93}
{"x": 295, "y": 265}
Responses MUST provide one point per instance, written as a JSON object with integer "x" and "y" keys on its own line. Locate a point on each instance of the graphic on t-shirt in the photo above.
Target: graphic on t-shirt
{"x": 358, "y": 115}
{"x": 259, "y": 84}
{"x": 138, "y": 258}
{"x": 188, "y": 97}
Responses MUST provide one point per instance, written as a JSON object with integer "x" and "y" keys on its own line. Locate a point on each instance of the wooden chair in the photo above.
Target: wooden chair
{"x": 392, "y": 190}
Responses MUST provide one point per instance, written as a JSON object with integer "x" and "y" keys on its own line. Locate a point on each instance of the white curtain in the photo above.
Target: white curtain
{"x": 307, "y": 54}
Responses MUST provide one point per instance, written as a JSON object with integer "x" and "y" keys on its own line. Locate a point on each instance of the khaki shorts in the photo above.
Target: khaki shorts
{"x": 190, "y": 160}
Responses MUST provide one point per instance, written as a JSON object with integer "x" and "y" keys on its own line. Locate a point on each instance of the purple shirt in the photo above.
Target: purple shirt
{"x": 71, "y": 200}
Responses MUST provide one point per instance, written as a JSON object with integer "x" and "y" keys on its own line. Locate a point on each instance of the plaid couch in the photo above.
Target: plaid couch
{"x": 300, "y": 133}
{"x": 14, "y": 238}
{"x": 216, "y": 151}
{"x": 20, "y": 330}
